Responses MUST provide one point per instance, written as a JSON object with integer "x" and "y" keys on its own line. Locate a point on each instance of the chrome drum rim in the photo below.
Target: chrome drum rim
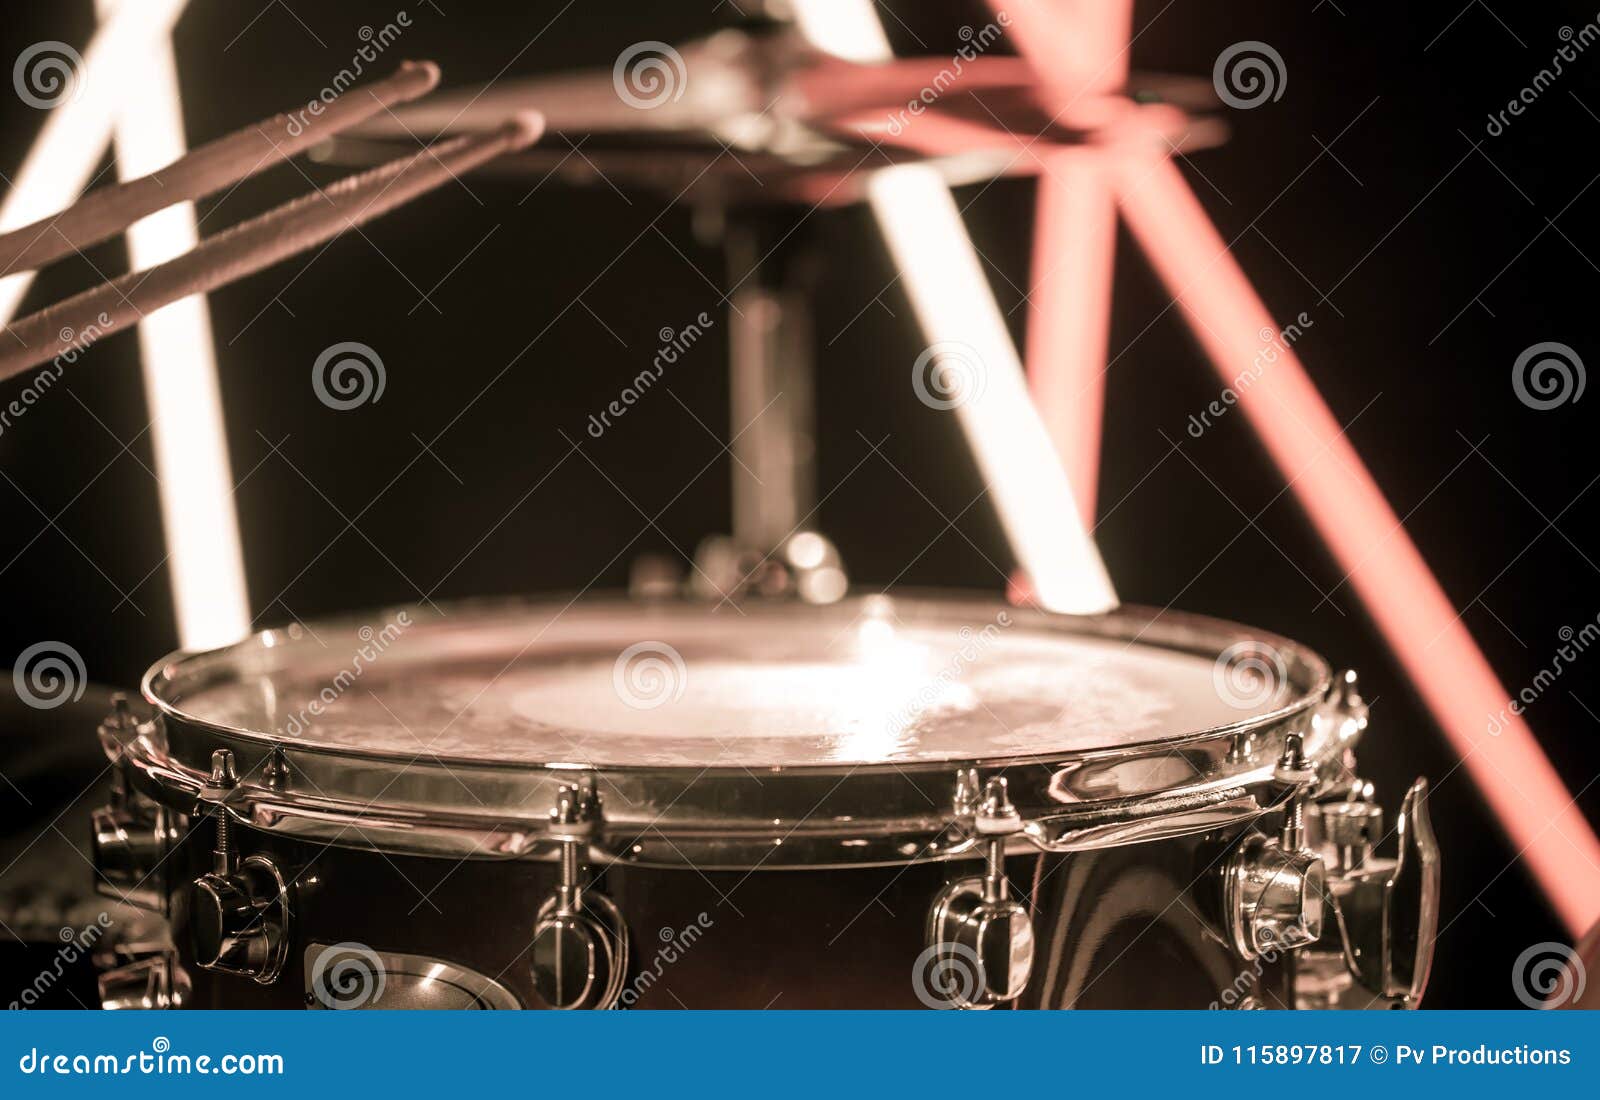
{"x": 731, "y": 817}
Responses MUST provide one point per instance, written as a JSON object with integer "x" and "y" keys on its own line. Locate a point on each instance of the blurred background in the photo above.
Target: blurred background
{"x": 1370, "y": 196}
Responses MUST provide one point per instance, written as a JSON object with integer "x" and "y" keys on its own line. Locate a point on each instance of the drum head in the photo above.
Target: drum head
{"x": 614, "y": 684}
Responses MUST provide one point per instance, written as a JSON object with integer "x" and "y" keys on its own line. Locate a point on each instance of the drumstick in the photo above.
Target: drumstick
{"x": 62, "y": 330}
{"x": 105, "y": 212}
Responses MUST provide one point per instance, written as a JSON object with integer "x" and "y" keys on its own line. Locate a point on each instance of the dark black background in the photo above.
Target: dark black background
{"x": 1428, "y": 254}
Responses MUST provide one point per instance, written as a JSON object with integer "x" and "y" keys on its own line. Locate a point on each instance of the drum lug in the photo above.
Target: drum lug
{"x": 131, "y": 835}
{"x": 579, "y": 955}
{"x": 979, "y": 939}
{"x": 239, "y": 912}
{"x": 1274, "y": 888}
{"x": 1386, "y": 910}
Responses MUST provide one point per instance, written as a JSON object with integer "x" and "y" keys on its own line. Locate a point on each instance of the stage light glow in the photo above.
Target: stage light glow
{"x": 75, "y": 130}
{"x": 1349, "y": 511}
{"x": 844, "y": 28}
{"x": 1069, "y": 318}
{"x": 955, "y": 306}
{"x": 205, "y": 563}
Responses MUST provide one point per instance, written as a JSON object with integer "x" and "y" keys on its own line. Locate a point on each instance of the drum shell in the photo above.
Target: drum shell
{"x": 1125, "y": 927}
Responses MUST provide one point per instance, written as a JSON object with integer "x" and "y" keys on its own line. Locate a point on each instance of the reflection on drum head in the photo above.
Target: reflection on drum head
{"x": 695, "y": 690}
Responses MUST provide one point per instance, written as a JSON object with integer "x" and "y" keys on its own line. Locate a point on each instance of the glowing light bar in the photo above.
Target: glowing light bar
{"x": 205, "y": 563}
{"x": 1069, "y": 318}
{"x": 76, "y": 129}
{"x": 845, "y": 28}
{"x": 1074, "y": 233}
{"x": 1350, "y": 513}
{"x": 955, "y": 306}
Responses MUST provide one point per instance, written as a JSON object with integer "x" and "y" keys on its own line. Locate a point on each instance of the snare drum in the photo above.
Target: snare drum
{"x": 879, "y": 803}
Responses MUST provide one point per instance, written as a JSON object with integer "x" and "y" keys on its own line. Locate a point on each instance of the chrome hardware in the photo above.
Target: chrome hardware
{"x": 346, "y": 976}
{"x": 1348, "y": 831}
{"x": 805, "y": 566}
{"x": 275, "y": 771}
{"x": 1386, "y": 911}
{"x": 1337, "y": 724}
{"x": 580, "y": 944}
{"x": 239, "y": 912}
{"x": 155, "y": 981}
{"x": 131, "y": 835}
{"x": 1344, "y": 712}
{"x": 1273, "y": 888}
{"x": 975, "y": 930}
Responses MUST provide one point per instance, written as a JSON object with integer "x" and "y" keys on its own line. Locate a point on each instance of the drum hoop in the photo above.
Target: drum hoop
{"x": 728, "y": 816}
